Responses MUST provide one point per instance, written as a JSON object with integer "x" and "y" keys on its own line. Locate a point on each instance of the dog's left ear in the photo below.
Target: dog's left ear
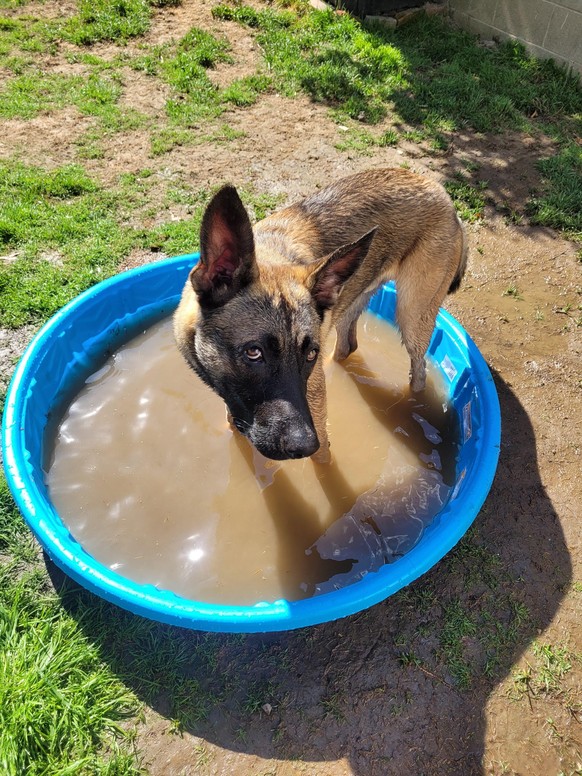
{"x": 326, "y": 282}
{"x": 227, "y": 250}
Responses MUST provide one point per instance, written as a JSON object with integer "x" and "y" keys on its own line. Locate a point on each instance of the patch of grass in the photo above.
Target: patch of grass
{"x": 554, "y": 662}
{"x": 458, "y": 625}
{"x": 28, "y": 95}
{"x": 152, "y": 60}
{"x": 432, "y": 75}
{"x": 100, "y": 20}
{"x": 96, "y": 20}
{"x": 14, "y": 541}
{"x": 197, "y": 51}
{"x": 196, "y": 99}
{"x": 330, "y": 57}
{"x": 409, "y": 658}
{"x": 332, "y": 706}
{"x": 162, "y": 664}
{"x": 66, "y": 233}
{"x": 245, "y": 91}
{"x": 61, "y": 708}
{"x": 512, "y": 290}
{"x": 560, "y": 206}
{"x": 259, "y": 693}
{"x": 224, "y": 134}
{"x": 500, "y": 629}
{"x": 28, "y": 35}
{"x": 467, "y": 198}
{"x": 490, "y": 90}
{"x": 544, "y": 674}
{"x": 32, "y": 93}
{"x": 362, "y": 141}
{"x": 469, "y": 631}
{"x": 13, "y": 3}
{"x": 166, "y": 138}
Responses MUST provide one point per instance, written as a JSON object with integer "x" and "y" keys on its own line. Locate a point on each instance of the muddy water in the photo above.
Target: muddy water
{"x": 152, "y": 482}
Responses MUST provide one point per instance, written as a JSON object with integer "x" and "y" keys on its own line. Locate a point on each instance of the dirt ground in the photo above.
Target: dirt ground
{"x": 341, "y": 698}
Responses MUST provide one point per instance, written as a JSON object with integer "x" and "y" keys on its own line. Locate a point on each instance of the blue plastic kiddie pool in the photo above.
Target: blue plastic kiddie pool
{"x": 103, "y": 318}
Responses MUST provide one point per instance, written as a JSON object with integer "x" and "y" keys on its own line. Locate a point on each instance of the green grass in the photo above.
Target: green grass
{"x": 196, "y": 101}
{"x": 245, "y": 91}
{"x": 512, "y": 290}
{"x": 560, "y": 207}
{"x": 432, "y": 80}
{"x": 66, "y": 235}
{"x": 468, "y": 199}
{"x": 13, "y": 3}
{"x": 32, "y": 93}
{"x": 100, "y": 20}
{"x": 96, "y": 20}
{"x": 448, "y": 637}
{"x": 544, "y": 673}
{"x": 23, "y": 37}
{"x": 430, "y": 74}
{"x": 61, "y": 708}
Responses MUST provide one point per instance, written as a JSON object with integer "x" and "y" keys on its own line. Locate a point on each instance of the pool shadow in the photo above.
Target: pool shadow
{"x": 387, "y": 689}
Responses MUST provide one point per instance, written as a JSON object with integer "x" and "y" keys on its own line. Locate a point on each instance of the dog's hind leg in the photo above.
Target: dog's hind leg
{"x": 347, "y": 327}
{"x": 420, "y": 295}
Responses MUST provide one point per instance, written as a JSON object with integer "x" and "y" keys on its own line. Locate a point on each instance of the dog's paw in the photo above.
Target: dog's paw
{"x": 418, "y": 384}
{"x": 417, "y": 376}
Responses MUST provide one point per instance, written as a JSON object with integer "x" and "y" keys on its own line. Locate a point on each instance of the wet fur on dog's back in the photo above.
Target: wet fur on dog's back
{"x": 257, "y": 309}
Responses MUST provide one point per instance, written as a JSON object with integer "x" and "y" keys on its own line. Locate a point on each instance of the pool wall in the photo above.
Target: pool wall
{"x": 87, "y": 330}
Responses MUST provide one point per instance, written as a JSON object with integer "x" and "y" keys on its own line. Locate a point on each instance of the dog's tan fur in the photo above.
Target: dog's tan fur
{"x": 419, "y": 242}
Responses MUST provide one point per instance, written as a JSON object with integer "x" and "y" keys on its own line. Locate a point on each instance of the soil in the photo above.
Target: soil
{"x": 345, "y": 701}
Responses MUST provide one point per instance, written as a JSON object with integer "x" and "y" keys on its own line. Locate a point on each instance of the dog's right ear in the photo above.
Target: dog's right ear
{"x": 227, "y": 250}
{"x": 330, "y": 275}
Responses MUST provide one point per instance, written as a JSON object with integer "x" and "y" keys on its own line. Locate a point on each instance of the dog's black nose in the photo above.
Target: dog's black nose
{"x": 300, "y": 443}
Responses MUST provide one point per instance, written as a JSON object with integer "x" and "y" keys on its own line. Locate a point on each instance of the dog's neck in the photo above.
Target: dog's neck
{"x": 280, "y": 239}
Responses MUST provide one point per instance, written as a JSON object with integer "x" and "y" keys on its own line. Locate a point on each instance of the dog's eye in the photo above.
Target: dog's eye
{"x": 312, "y": 355}
{"x": 254, "y": 354}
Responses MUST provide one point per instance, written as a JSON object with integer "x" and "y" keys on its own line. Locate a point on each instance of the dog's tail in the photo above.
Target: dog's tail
{"x": 456, "y": 282}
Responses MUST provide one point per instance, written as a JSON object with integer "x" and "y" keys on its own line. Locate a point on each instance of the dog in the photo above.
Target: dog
{"x": 257, "y": 309}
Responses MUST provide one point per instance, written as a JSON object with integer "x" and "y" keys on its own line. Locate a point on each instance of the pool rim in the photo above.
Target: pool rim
{"x": 278, "y": 615}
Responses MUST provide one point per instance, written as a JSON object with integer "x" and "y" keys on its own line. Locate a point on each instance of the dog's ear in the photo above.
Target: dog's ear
{"x": 227, "y": 250}
{"x": 326, "y": 282}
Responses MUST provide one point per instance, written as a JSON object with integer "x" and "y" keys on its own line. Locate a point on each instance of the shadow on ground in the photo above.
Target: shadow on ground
{"x": 400, "y": 688}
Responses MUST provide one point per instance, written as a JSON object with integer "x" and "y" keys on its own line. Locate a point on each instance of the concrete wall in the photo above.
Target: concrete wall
{"x": 547, "y": 28}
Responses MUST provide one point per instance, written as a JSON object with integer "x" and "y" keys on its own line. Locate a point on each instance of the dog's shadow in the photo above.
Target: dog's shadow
{"x": 381, "y": 689}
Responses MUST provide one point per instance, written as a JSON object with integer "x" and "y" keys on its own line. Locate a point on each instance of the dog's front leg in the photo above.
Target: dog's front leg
{"x": 317, "y": 401}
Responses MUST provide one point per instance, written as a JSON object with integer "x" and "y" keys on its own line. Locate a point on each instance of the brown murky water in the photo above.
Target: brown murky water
{"x": 149, "y": 478}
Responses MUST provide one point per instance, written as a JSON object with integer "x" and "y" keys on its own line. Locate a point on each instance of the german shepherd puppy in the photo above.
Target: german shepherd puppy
{"x": 258, "y": 307}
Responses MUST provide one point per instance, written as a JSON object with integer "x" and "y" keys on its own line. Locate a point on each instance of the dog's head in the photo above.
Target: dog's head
{"x": 253, "y": 331}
